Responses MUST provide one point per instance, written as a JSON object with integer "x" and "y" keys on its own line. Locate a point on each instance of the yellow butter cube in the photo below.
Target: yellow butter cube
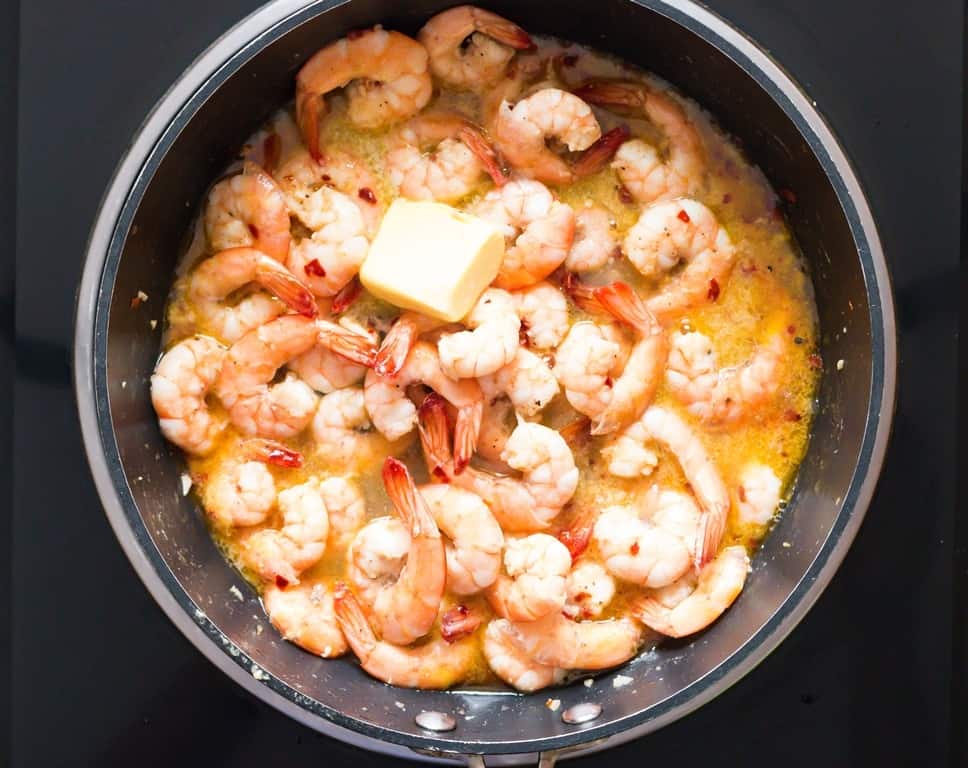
{"x": 432, "y": 258}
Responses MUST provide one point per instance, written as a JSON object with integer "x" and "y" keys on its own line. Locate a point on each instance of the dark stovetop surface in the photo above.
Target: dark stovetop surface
{"x": 100, "y": 677}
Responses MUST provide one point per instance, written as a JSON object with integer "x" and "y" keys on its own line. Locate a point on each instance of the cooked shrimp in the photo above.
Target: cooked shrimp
{"x": 376, "y": 556}
{"x": 639, "y": 165}
{"x": 475, "y": 539}
{"x": 722, "y": 395}
{"x": 757, "y": 495}
{"x": 661, "y": 425}
{"x": 281, "y": 555}
{"x": 227, "y": 271}
{"x": 672, "y": 511}
{"x": 240, "y": 494}
{"x": 305, "y": 615}
{"x": 511, "y": 665}
{"x": 534, "y": 584}
{"x": 590, "y": 590}
{"x": 434, "y": 664}
{"x": 522, "y": 132}
{"x": 638, "y": 551}
{"x": 325, "y": 370}
{"x": 248, "y": 209}
{"x": 490, "y": 344}
{"x": 560, "y": 642}
{"x": 394, "y": 414}
{"x": 586, "y": 363}
{"x": 408, "y": 608}
{"x": 278, "y": 410}
{"x": 720, "y": 583}
{"x": 548, "y": 479}
{"x": 386, "y": 74}
{"x": 675, "y": 231}
{"x": 400, "y": 340}
{"x": 470, "y": 47}
{"x": 634, "y": 388}
{"x": 332, "y": 255}
{"x": 538, "y": 230}
{"x": 345, "y": 507}
{"x": 594, "y": 242}
{"x": 182, "y": 379}
{"x": 343, "y": 432}
{"x": 527, "y": 381}
{"x": 462, "y": 155}
{"x": 543, "y": 310}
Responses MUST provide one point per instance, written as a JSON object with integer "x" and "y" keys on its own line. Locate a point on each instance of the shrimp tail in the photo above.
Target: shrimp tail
{"x": 396, "y": 345}
{"x": 580, "y": 293}
{"x": 578, "y": 534}
{"x": 346, "y": 296}
{"x": 466, "y": 433}
{"x": 506, "y": 32}
{"x": 607, "y": 93}
{"x": 576, "y": 432}
{"x": 623, "y": 303}
{"x": 407, "y": 500}
{"x": 357, "y": 630}
{"x": 482, "y": 149}
{"x": 712, "y": 526}
{"x": 287, "y": 287}
{"x": 434, "y": 437}
{"x": 352, "y": 346}
{"x": 272, "y": 452}
{"x": 309, "y": 108}
{"x": 601, "y": 152}
{"x": 654, "y": 615}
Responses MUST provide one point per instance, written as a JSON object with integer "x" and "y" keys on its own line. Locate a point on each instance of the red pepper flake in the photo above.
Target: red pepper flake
{"x": 281, "y": 581}
{"x": 368, "y": 195}
{"x": 683, "y": 216}
{"x": 624, "y": 195}
{"x": 327, "y": 178}
{"x": 523, "y": 339}
{"x": 634, "y": 549}
{"x": 789, "y": 195}
{"x": 791, "y": 415}
{"x": 569, "y": 59}
{"x": 608, "y": 381}
{"x": 139, "y": 298}
{"x": 815, "y": 361}
{"x": 713, "y": 293}
{"x": 440, "y": 473}
{"x": 284, "y": 457}
{"x": 747, "y": 268}
{"x": 346, "y": 296}
{"x": 778, "y": 212}
{"x": 458, "y": 622}
{"x": 578, "y": 534}
{"x": 314, "y": 269}
{"x": 581, "y": 597}
{"x": 727, "y": 199}
{"x": 254, "y": 231}
{"x": 791, "y": 329}
{"x": 741, "y": 492}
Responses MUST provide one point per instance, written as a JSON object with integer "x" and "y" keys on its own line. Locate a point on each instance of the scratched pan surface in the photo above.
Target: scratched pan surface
{"x": 193, "y": 133}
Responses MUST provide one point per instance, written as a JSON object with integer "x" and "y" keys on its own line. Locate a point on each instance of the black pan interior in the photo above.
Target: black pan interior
{"x": 146, "y": 244}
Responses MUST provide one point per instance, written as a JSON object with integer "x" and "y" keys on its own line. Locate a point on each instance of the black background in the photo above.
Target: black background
{"x": 874, "y": 673}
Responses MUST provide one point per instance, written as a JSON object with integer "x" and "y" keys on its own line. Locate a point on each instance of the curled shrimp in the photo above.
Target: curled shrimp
{"x": 634, "y": 388}
{"x": 280, "y": 410}
{"x": 325, "y": 370}
{"x": 395, "y": 415}
{"x": 722, "y": 395}
{"x": 538, "y": 231}
{"x": 240, "y": 494}
{"x": 345, "y": 507}
{"x": 386, "y": 73}
{"x": 661, "y": 425}
{"x": 475, "y": 539}
{"x": 452, "y": 170}
{"x": 594, "y": 242}
{"x": 470, "y": 47}
{"x": 586, "y": 363}
{"x": 719, "y": 584}
{"x": 331, "y": 257}
{"x": 543, "y": 310}
{"x": 305, "y": 615}
{"x": 522, "y": 132}
{"x": 182, "y": 379}
{"x": 248, "y": 209}
{"x": 376, "y": 556}
{"x": 757, "y": 495}
{"x": 534, "y": 584}
{"x": 407, "y": 609}
{"x": 671, "y": 232}
{"x": 227, "y": 271}
{"x": 432, "y": 665}
{"x": 508, "y": 662}
{"x": 557, "y": 641}
{"x": 281, "y": 555}
{"x": 590, "y": 590}
{"x": 490, "y": 344}
{"x": 548, "y": 479}
{"x": 343, "y": 432}
{"x": 527, "y": 381}
{"x": 640, "y": 166}
{"x": 638, "y": 551}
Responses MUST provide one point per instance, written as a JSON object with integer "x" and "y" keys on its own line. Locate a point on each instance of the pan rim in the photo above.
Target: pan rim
{"x": 153, "y": 139}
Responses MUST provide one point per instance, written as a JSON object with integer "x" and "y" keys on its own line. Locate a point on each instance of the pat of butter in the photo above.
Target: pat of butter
{"x": 432, "y": 258}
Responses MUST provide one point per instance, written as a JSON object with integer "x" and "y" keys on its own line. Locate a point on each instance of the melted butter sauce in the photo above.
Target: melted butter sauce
{"x": 769, "y": 291}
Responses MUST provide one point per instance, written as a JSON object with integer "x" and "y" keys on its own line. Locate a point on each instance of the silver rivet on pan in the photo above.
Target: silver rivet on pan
{"x": 436, "y": 721}
{"x": 581, "y": 713}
